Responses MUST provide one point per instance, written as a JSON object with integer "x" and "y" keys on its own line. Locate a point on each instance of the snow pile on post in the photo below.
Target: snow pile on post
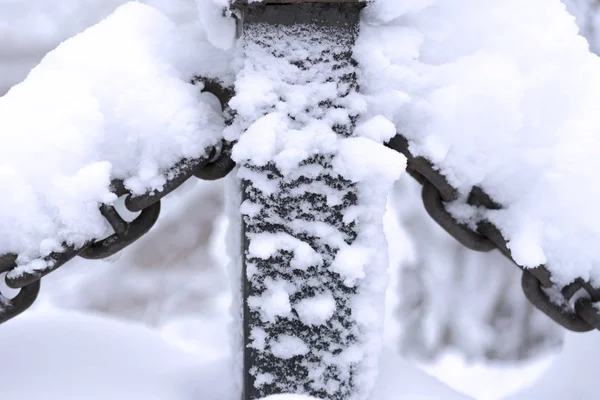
{"x": 502, "y": 95}
{"x": 112, "y": 102}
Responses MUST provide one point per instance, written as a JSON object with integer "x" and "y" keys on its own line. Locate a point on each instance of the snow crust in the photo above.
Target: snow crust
{"x": 502, "y": 95}
{"x": 113, "y": 102}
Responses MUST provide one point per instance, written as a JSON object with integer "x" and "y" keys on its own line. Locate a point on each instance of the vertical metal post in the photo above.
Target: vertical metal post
{"x": 284, "y": 352}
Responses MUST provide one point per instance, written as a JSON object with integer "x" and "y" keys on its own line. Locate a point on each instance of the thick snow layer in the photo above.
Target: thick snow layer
{"x": 502, "y": 95}
{"x": 112, "y": 102}
{"x": 84, "y": 357}
{"x": 29, "y": 29}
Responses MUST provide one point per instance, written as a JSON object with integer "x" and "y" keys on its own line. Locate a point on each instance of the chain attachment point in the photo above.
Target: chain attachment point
{"x": 218, "y": 168}
{"x": 424, "y": 168}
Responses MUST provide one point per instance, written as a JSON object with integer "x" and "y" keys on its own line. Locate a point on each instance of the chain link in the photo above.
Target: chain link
{"x": 580, "y": 315}
{"x": 432, "y": 199}
{"x": 10, "y": 308}
{"x": 215, "y": 164}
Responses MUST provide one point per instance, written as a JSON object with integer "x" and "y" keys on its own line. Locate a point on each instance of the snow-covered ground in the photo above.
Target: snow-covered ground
{"x": 55, "y": 355}
{"x": 88, "y": 357}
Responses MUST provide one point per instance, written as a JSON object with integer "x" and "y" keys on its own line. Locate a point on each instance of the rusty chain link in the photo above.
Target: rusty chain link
{"x": 572, "y": 306}
{"x": 215, "y": 164}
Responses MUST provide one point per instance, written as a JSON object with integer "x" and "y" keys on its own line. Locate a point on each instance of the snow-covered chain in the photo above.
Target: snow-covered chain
{"x": 123, "y": 120}
{"x": 552, "y": 299}
{"x": 501, "y": 95}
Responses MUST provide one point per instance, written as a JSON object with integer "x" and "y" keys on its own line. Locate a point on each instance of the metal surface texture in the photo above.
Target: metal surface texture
{"x": 537, "y": 284}
{"x": 214, "y": 164}
{"x": 334, "y": 27}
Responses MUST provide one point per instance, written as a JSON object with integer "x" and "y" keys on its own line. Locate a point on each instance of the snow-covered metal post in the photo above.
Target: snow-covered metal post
{"x": 303, "y": 269}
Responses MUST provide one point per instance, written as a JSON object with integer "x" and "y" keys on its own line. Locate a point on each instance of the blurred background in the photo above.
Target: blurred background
{"x": 459, "y": 314}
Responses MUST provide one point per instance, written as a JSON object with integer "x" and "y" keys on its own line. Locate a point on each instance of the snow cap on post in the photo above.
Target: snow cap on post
{"x": 313, "y": 12}
{"x": 244, "y": 2}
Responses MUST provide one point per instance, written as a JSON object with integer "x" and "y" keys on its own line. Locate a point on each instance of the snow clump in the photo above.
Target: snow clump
{"x": 501, "y": 95}
{"x": 112, "y": 102}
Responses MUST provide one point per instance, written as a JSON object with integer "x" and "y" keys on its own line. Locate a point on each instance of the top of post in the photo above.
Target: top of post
{"x": 245, "y": 2}
{"x": 331, "y": 12}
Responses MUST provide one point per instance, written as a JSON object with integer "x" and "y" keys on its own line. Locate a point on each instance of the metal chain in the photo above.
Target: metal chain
{"x": 215, "y": 164}
{"x": 576, "y": 313}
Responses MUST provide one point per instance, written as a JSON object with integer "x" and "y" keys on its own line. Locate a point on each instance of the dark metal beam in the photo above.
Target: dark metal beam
{"x": 333, "y": 26}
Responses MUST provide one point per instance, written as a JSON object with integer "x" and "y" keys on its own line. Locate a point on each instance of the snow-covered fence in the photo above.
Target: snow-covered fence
{"x": 312, "y": 169}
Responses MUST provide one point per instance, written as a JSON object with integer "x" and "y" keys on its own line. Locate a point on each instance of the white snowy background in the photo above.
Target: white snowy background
{"x": 151, "y": 323}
